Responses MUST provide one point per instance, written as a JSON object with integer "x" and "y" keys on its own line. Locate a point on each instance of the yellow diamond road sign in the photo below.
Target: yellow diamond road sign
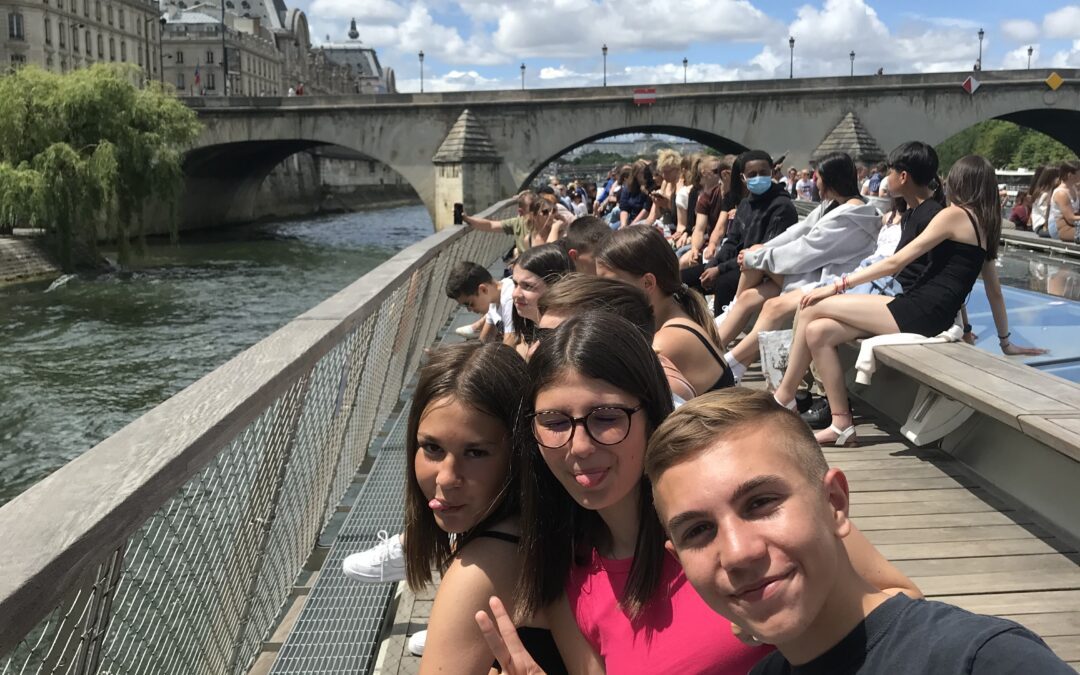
{"x": 1054, "y": 81}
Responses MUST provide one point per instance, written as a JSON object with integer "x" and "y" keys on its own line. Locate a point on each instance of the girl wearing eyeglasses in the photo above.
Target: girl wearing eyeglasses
{"x": 594, "y": 557}
{"x": 462, "y": 498}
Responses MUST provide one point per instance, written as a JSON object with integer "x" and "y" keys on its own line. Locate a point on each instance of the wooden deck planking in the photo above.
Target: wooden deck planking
{"x": 960, "y": 544}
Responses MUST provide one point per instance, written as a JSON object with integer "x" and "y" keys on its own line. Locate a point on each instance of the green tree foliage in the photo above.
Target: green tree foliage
{"x": 1006, "y": 145}
{"x": 81, "y": 154}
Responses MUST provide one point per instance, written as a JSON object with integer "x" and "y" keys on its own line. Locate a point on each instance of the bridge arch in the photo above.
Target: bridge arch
{"x": 1060, "y": 124}
{"x": 707, "y": 138}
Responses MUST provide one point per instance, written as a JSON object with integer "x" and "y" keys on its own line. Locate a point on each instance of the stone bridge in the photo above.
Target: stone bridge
{"x": 478, "y": 147}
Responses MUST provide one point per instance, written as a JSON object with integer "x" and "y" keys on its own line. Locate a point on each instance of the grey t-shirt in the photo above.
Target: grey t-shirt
{"x": 920, "y": 637}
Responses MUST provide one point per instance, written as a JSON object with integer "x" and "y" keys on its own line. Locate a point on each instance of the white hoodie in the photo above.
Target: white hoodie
{"x": 821, "y": 245}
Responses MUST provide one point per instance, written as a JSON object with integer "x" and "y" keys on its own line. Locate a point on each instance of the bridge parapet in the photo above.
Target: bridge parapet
{"x": 173, "y": 545}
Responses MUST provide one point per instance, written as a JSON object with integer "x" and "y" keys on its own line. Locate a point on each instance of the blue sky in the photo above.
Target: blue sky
{"x": 481, "y": 44}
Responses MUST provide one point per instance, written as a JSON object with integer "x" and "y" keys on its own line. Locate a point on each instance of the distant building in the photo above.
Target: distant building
{"x": 61, "y": 35}
{"x": 194, "y": 62}
{"x": 359, "y": 61}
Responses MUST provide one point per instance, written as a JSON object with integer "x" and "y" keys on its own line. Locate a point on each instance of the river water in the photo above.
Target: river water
{"x": 81, "y": 361}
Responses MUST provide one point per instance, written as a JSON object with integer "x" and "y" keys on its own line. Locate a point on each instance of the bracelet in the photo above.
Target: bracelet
{"x": 1005, "y": 337}
{"x": 843, "y": 280}
{"x": 967, "y": 328}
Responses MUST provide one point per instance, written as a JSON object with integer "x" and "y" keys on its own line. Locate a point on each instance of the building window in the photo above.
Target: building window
{"x": 74, "y": 38}
{"x": 139, "y": 53}
{"x": 179, "y": 57}
{"x": 62, "y": 35}
{"x": 85, "y": 7}
{"x": 15, "y": 29}
{"x": 138, "y": 27}
{"x": 48, "y": 31}
{"x": 88, "y": 43}
{"x": 180, "y": 82}
{"x": 123, "y": 51}
{"x": 110, "y": 14}
{"x": 18, "y": 60}
{"x": 100, "y": 46}
{"x": 120, "y": 19}
{"x": 210, "y": 56}
{"x": 112, "y": 49}
{"x": 97, "y": 10}
{"x": 210, "y": 82}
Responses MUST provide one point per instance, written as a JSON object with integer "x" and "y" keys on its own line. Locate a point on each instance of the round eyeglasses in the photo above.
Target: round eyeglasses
{"x": 606, "y": 425}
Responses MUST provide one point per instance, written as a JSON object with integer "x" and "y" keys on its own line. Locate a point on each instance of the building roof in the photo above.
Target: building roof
{"x": 467, "y": 142}
{"x": 353, "y": 53}
{"x": 850, "y": 136}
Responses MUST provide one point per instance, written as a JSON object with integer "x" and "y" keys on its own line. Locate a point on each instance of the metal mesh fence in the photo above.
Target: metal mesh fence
{"x": 197, "y": 587}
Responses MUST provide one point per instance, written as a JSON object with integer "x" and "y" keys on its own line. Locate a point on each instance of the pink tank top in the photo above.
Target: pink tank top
{"x": 676, "y": 633}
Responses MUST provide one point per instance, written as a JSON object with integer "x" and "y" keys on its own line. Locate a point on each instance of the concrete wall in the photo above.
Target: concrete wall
{"x": 22, "y": 260}
{"x": 530, "y": 128}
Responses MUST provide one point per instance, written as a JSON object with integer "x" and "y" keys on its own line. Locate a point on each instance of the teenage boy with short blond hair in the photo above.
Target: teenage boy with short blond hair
{"x": 757, "y": 518}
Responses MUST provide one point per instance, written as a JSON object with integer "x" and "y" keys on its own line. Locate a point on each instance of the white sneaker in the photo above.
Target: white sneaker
{"x": 382, "y": 563}
{"x": 416, "y": 643}
{"x": 466, "y": 332}
{"x": 723, "y": 313}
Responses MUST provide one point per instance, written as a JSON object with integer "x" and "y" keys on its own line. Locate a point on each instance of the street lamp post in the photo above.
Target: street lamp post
{"x": 604, "y": 51}
{"x": 523, "y": 77}
{"x": 791, "y": 67}
{"x": 979, "y": 62}
{"x": 224, "y": 56}
{"x": 852, "y": 56}
{"x": 684, "y": 64}
{"x": 1030, "y": 50}
{"x": 421, "y": 71}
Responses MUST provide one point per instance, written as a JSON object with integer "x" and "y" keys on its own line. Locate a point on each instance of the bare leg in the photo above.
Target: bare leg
{"x": 865, "y": 314}
{"x": 773, "y": 314}
{"x": 746, "y": 304}
{"x": 748, "y": 279}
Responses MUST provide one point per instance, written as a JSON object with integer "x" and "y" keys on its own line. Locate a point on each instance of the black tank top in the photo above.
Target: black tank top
{"x": 537, "y": 641}
{"x": 727, "y": 379}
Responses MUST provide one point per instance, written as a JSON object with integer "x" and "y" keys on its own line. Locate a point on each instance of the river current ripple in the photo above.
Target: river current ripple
{"x": 79, "y": 362}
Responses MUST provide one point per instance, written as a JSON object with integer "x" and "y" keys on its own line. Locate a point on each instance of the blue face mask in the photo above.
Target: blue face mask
{"x": 759, "y": 185}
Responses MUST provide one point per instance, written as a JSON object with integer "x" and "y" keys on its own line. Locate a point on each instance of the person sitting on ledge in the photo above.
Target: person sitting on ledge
{"x": 962, "y": 240}
{"x": 758, "y": 521}
{"x": 831, "y": 240}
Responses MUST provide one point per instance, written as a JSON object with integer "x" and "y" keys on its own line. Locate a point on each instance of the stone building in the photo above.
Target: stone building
{"x": 354, "y": 63}
{"x": 61, "y": 35}
{"x": 193, "y": 53}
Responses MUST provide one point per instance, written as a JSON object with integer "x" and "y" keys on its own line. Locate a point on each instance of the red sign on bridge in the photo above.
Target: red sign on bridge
{"x": 645, "y": 96}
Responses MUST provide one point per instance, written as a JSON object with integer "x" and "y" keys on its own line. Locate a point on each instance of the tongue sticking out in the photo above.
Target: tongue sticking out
{"x": 436, "y": 505}
{"x": 590, "y": 479}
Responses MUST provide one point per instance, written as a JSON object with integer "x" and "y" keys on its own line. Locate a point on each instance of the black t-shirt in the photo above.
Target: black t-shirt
{"x": 920, "y": 637}
{"x": 912, "y": 224}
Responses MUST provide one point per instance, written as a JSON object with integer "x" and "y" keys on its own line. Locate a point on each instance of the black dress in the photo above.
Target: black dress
{"x": 931, "y": 305}
{"x": 537, "y": 641}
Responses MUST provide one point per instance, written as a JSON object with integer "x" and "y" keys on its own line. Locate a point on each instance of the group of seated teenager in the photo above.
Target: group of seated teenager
{"x": 597, "y": 494}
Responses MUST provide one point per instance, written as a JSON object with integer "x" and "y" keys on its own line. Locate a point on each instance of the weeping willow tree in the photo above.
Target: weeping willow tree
{"x": 82, "y": 154}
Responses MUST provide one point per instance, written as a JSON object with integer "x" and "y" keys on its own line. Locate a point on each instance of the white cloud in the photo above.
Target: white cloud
{"x": 369, "y": 11}
{"x": 1017, "y": 59}
{"x": 1067, "y": 58}
{"x": 454, "y": 80}
{"x": 1063, "y": 23}
{"x": 1020, "y": 30}
{"x": 572, "y": 28}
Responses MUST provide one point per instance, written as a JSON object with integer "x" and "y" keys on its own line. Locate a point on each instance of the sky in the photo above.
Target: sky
{"x": 481, "y": 44}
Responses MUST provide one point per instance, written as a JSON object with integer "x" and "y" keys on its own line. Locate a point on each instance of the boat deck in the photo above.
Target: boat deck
{"x": 935, "y": 520}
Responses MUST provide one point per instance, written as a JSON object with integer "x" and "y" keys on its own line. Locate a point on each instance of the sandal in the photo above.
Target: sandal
{"x": 836, "y": 437}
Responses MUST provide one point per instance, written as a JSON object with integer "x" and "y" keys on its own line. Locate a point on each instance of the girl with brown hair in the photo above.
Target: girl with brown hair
{"x": 462, "y": 500}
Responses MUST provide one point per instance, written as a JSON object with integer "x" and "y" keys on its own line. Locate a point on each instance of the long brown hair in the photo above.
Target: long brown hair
{"x": 972, "y": 185}
{"x": 641, "y": 250}
{"x": 490, "y": 378}
{"x": 556, "y": 532}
